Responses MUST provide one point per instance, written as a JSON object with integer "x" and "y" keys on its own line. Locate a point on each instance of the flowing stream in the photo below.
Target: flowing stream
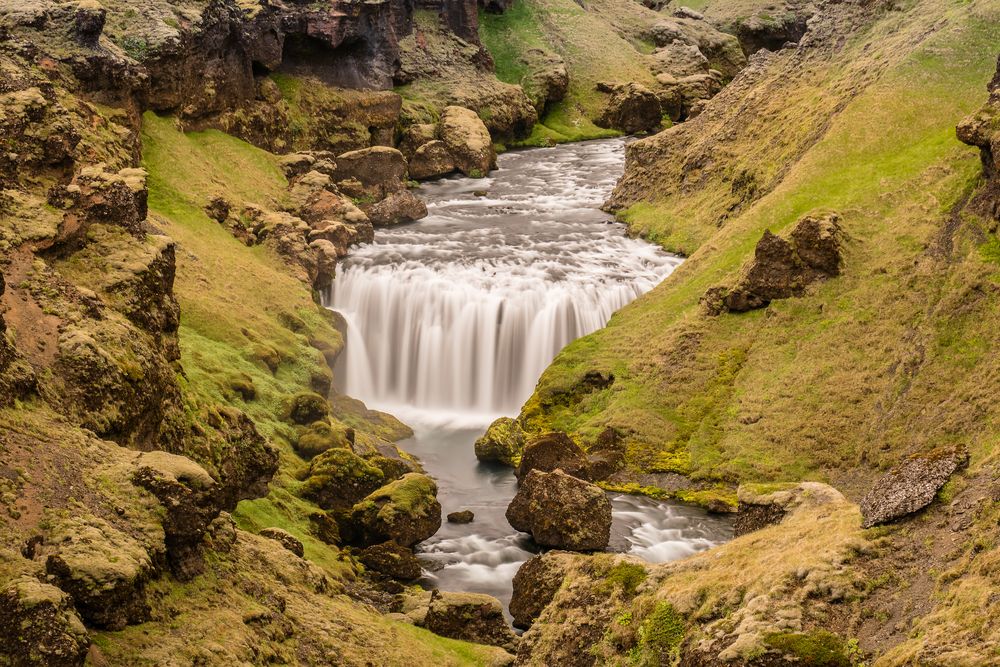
{"x": 451, "y": 320}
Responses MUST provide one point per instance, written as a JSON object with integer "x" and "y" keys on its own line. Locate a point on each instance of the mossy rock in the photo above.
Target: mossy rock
{"x": 339, "y": 478}
{"x": 49, "y": 632}
{"x": 503, "y": 442}
{"x": 321, "y": 436}
{"x": 817, "y": 648}
{"x": 406, "y": 511}
{"x": 307, "y": 407}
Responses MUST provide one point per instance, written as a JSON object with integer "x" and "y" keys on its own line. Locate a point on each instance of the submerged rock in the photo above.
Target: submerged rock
{"x": 503, "y": 442}
{"x": 552, "y": 451}
{"x": 405, "y": 511}
{"x": 471, "y": 617}
{"x": 561, "y": 511}
{"x": 464, "y": 516}
{"x": 38, "y": 626}
{"x": 909, "y": 487}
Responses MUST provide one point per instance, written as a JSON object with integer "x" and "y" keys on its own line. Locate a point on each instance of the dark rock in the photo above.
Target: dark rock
{"x": 552, "y": 451}
{"x": 324, "y": 528}
{"x": 190, "y": 501}
{"x": 909, "y": 486}
{"x": 463, "y": 516}
{"x": 89, "y": 22}
{"x": 503, "y": 442}
{"x": 284, "y": 538}
{"x": 339, "y": 478}
{"x": 781, "y": 269}
{"x": 631, "y": 108}
{"x": 771, "y": 31}
{"x": 405, "y": 511}
{"x": 391, "y": 560}
{"x": 470, "y": 617}
{"x": 561, "y": 511}
{"x": 396, "y": 208}
{"x": 218, "y": 209}
{"x": 244, "y": 462}
{"x": 535, "y": 584}
{"x": 606, "y": 455}
{"x": 38, "y": 626}
{"x": 547, "y": 80}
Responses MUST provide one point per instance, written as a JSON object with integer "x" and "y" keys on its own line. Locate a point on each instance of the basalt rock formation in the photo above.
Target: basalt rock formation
{"x": 561, "y": 511}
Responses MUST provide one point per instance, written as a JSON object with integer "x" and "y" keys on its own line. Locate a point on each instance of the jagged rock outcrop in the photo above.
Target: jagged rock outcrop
{"x": 535, "y": 584}
{"x": 547, "y": 79}
{"x": 631, "y": 108}
{"x": 503, "y": 442}
{"x": 694, "y": 40}
{"x": 405, "y": 511}
{"x": 553, "y": 451}
{"x": 471, "y": 617}
{"x": 561, "y": 511}
{"x": 40, "y": 626}
{"x": 909, "y": 486}
{"x": 781, "y": 268}
{"x": 982, "y": 129}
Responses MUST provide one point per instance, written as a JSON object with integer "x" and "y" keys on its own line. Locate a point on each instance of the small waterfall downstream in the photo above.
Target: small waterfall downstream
{"x": 451, "y": 320}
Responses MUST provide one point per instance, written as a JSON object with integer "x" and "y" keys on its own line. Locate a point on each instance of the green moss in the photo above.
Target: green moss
{"x": 626, "y": 577}
{"x": 663, "y": 631}
{"x": 817, "y": 648}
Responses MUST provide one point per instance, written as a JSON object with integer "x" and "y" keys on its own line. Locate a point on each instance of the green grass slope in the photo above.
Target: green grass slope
{"x": 891, "y": 357}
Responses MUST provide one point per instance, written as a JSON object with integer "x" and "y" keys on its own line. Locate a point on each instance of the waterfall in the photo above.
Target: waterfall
{"x": 464, "y": 310}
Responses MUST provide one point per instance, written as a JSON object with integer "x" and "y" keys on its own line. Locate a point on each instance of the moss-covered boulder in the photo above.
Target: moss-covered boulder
{"x": 339, "y": 478}
{"x": 535, "y": 584}
{"x": 503, "y": 442}
{"x": 561, "y": 511}
{"x": 307, "y": 407}
{"x": 554, "y": 451}
{"x": 431, "y": 160}
{"x": 468, "y": 141}
{"x": 406, "y": 511}
{"x": 471, "y": 617}
{"x": 104, "y": 570}
{"x": 38, "y": 626}
{"x": 320, "y": 436}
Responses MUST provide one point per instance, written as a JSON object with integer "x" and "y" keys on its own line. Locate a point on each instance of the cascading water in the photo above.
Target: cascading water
{"x": 451, "y": 320}
{"x": 463, "y": 311}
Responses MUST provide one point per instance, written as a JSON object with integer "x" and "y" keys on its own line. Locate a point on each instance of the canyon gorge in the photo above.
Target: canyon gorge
{"x": 499, "y": 332}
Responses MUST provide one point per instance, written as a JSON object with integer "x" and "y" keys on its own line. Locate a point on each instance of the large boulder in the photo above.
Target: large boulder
{"x": 104, "y": 570}
{"x": 909, "y": 487}
{"x": 431, "y": 160}
{"x": 552, "y": 451}
{"x": 339, "y": 478}
{"x": 392, "y": 560}
{"x": 405, "y": 511}
{"x": 377, "y": 171}
{"x": 561, "y": 511}
{"x": 503, "y": 442}
{"x": 631, "y": 108}
{"x": 468, "y": 141}
{"x": 535, "y": 584}
{"x": 783, "y": 268}
{"x": 38, "y": 626}
{"x": 471, "y": 617}
{"x": 396, "y": 208}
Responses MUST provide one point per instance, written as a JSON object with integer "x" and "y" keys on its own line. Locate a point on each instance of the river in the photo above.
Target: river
{"x": 451, "y": 320}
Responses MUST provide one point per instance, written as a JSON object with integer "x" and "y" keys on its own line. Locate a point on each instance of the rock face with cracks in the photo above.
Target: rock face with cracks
{"x": 909, "y": 487}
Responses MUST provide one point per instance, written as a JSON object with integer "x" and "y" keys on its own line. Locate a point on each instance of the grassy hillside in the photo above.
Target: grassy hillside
{"x": 888, "y": 359}
{"x": 600, "y": 43}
